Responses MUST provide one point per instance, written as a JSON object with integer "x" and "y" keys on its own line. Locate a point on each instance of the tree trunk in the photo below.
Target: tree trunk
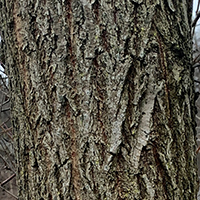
{"x": 102, "y": 98}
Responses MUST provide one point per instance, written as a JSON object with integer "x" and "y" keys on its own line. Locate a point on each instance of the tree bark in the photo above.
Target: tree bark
{"x": 102, "y": 98}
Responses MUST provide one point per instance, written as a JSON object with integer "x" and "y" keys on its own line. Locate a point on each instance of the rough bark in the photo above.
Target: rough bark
{"x": 102, "y": 98}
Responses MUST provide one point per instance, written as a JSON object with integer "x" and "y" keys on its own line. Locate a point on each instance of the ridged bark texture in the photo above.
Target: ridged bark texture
{"x": 102, "y": 98}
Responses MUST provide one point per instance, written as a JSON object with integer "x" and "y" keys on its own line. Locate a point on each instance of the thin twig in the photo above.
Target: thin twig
{"x": 4, "y": 83}
{"x": 197, "y": 117}
{"x": 6, "y": 163}
{"x": 196, "y": 59}
{"x": 6, "y": 130}
{"x": 1, "y": 63}
{"x": 198, "y": 7}
{"x": 8, "y": 179}
{"x": 195, "y": 66}
{"x": 5, "y": 93}
{"x": 196, "y": 19}
{"x": 8, "y": 192}
{"x": 5, "y": 102}
{"x": 5, "y": 109}
{"x": 7, "y": 151}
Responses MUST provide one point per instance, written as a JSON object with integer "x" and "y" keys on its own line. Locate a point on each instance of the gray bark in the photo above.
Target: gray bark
{"x": 102, "y": 98}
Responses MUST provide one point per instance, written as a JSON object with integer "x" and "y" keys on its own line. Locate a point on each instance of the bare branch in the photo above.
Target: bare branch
{"x": 6, "y": 163}
{"x": 8, "y": 179}
{"x": 196, "y": 19}
{"x": 8, "y": 192}
{"x": 196, "y": 81}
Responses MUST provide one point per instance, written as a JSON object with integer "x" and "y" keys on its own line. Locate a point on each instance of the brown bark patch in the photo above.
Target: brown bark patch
{"x": 76, "y": 179}
{"x": 17, "y": 25}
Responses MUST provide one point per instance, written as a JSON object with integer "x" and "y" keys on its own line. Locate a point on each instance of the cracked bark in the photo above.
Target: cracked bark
{"x": 102, "y": 98}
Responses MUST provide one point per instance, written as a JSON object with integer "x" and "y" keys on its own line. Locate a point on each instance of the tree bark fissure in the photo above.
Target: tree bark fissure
{"x": 102, "y": 98}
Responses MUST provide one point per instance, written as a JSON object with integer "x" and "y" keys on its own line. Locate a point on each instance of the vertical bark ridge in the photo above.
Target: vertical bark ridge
{"x": 163, "y": 65}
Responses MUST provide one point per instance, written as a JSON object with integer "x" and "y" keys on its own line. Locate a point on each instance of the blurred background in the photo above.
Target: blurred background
{"x": 196, "y": 65}
{"x": 8, "y": 188}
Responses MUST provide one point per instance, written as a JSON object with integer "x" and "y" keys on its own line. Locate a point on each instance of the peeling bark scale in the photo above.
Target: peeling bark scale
{"x": 102, "y": 98}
